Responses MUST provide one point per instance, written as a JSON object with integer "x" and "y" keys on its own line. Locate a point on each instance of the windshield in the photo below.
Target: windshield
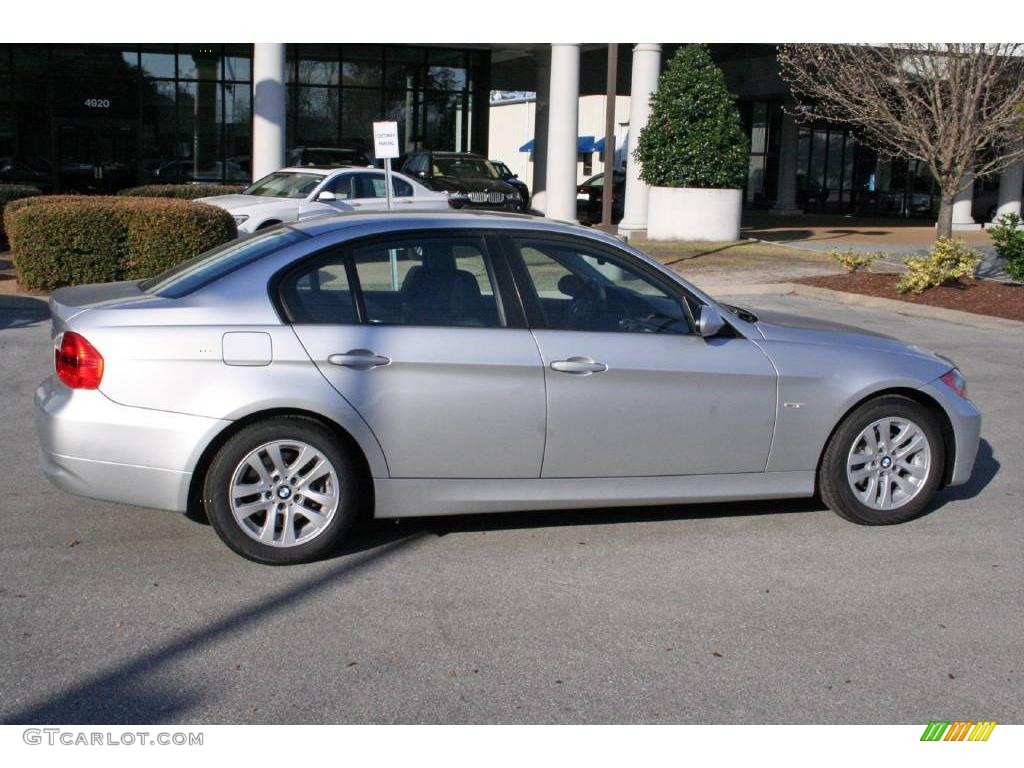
{"x": 190, "y": 275}
{"x": 285, "y": 184}
{"x": 464, "y": 168}
{"x": 503, "y": 170}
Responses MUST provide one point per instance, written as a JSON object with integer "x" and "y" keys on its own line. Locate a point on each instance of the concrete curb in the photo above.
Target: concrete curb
{"x": 956, "y": 316}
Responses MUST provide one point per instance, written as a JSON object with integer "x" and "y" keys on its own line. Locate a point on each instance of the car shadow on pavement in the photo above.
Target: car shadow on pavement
{"x": 374, "y": 532}
{"x": 21, "y": 311}
{"x": 131, "y": 692}
{"x": 986, "y": 466}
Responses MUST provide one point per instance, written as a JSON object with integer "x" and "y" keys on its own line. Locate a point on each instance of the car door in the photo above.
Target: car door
{"x": 370, "y": 191}
{"x": 418, "y": 334}
{"x": 631, "y": 390}
{"x": 417, "y": 197}
{"x": 345, "y": 190}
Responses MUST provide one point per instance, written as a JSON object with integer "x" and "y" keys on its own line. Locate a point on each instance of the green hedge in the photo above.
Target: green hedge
{"x": 69, "y": 240}
{"x": 9, "y": 193}
{"x": 182, "y": 191}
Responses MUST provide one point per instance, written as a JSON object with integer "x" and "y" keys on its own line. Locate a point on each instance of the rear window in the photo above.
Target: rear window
{"x": 212, "y": 265}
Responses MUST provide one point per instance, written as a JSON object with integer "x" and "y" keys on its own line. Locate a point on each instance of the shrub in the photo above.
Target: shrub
{"x": 182, "y": 191}
{"x": 64, "y": 240}
{"x": 948, "y": 261}
{"x": 852, "y": 261}
{"x": 693, "y": 137}
{"x": 9, "y": 193}
{"x": 1009, "y": 242}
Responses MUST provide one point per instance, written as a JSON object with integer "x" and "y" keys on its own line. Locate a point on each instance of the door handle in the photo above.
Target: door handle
{"x": 360, "y": 359}
{"x": 352, "y": 203}
{"x": 581, "y": 366}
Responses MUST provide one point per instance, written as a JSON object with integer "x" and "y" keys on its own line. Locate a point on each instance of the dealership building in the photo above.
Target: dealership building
{"x": 99, "y": 117}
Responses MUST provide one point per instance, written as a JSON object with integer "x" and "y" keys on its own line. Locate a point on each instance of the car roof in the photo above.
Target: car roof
{"x": 326, "y": 171}
{"x": 383, "y": 222}
{"x": 458, "y": 154}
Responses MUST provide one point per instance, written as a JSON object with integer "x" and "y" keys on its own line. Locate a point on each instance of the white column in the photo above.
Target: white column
{"x": 538, "y": 192}
{"x": 785, "y": 198}
{"x": 268, "y": 109}
{"x": 1011, "y": 180}
{"x": 644, "y": 82}
{"x": 563, "y": 122}
{"x": 962, "y": 204}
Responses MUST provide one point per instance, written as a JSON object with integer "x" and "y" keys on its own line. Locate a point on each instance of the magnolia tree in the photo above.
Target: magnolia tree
{"x": 953, "y": 106}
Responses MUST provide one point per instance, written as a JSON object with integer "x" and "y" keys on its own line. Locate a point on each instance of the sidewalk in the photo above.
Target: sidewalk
{"x": 898, "y": 237}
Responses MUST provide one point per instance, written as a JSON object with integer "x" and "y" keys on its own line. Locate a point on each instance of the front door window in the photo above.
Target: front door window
{"x": 579, "y": 288}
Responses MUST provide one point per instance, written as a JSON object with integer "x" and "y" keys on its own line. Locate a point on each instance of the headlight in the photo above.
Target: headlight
{"x": 510, "y": 196}
{"x": 956, "y": 382}
{"x": 459, "y": 197}
{"x": 239, "y": 220}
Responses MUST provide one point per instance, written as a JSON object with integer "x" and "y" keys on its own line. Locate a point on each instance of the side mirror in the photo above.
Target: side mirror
{"x": 709, "y": 322}
{"x": 326, "y": 197}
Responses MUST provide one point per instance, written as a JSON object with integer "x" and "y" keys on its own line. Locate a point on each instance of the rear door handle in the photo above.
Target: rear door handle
{"x": 581, "y": 366}
{"x": 360, "y": 359}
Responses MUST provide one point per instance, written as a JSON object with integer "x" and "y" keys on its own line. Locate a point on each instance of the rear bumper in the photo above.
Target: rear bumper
{"x": 965, "y": 419}
{"x": 92, "y": 446}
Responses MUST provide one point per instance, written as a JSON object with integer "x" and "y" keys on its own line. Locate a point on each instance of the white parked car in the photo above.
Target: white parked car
{"x": 299, "y": 194}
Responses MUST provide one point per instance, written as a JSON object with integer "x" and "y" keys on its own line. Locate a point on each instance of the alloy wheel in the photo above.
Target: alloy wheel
{"x": 284, "y": 493}
{"x": 888, "y": 463}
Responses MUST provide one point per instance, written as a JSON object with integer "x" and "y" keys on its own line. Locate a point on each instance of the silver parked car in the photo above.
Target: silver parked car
{"x": 430, "y": 364}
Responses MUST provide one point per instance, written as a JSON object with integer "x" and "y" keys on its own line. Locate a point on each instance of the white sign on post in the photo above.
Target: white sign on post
{"x": 385, "y": 147}
{"x": 385, "y": 140}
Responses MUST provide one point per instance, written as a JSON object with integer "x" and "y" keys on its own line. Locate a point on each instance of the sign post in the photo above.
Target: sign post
{"x": 385, "y": 147}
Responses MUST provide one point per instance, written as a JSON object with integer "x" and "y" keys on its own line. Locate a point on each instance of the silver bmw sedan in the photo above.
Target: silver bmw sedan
{"x": 434, "y": 364}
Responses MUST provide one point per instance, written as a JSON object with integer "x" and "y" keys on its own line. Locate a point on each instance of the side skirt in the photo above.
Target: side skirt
{"x": 422, "y": 498}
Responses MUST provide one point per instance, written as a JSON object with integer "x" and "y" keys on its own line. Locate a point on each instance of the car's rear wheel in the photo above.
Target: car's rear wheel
{"x": 281, "y": 491}
{"x": 884, "y": 463}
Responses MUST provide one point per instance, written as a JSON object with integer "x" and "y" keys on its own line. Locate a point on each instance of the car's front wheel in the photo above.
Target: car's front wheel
{"x": 884, "y": 463}
{"x": 281, "y": 491}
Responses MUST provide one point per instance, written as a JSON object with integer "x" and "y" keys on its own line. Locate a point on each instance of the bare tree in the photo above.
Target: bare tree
{"x": 953, "y": 106}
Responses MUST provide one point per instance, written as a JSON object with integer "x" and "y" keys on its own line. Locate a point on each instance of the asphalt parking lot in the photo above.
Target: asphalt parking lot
{"x": 775, "y": 612}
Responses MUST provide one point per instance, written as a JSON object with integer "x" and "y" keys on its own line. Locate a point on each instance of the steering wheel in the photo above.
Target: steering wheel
{"x": 586, "y": 304}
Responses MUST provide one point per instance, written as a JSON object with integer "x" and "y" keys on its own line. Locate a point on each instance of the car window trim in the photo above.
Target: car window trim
{"x": 510, "y": 311}
{"x": 527, "y": 291}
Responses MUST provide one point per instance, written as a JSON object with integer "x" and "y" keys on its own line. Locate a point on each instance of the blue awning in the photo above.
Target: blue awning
{"x": 584, "y": 145}
{"x": 599, "y": 146}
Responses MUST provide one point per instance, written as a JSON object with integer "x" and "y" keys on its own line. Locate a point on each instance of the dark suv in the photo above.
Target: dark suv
{"x": 471, "y": 181}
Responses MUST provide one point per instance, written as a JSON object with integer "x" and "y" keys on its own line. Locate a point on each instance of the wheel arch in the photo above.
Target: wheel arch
{"x": 921, "y": 398}
{"x": 194, "y": 506}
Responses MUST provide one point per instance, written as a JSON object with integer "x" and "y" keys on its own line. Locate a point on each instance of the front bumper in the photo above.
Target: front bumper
{"x": 965, "y": 419}
{"x": 92, "y": 446}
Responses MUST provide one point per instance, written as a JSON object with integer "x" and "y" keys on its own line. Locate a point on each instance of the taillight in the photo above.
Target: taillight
{"x": 77, "y": 362}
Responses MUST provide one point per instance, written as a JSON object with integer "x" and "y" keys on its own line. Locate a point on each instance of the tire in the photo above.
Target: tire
{"x": 301, "y": 505}
{"x": 901, "y": 479}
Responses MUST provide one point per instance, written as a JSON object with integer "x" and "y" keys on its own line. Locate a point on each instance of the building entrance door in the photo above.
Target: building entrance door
{"x": 97, "y": 157}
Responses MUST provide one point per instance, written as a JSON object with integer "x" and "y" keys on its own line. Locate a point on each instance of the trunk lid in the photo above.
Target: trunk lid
{"x": 66, "y": 303}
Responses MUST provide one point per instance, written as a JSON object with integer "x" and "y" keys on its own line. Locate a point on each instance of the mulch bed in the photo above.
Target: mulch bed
{"x": 983, "y": 297}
